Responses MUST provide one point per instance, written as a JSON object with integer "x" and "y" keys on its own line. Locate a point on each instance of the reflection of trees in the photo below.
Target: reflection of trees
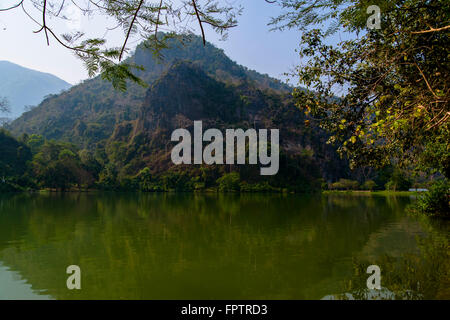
{"x": 158, "y": 246}
{"x": 420, "y": 274}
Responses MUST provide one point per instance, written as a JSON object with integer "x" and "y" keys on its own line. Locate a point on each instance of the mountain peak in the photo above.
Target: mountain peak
{"x": 187, "y": 90}
{"x": 89, "y": 112}
{"x": 26, "y": 87}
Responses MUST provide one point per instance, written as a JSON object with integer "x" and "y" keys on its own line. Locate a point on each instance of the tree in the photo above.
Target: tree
{"x": 398, "y": 181}
{"x": 4, "y": 105}
{"x": 229, "y": 182}
{"x": 143, "y": 18}
{"x": 58, "y": 165}
{"x": 145, "y": 179}
{"x": 14, "y": 156}
{"x": 345, "y": 184}
{"x": 383, "y": 95}
{"x": 369, "y": 185}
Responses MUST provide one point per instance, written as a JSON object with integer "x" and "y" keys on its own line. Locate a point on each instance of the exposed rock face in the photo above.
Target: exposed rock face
{"x": 192, "y": 83}
{"x": 97, "y": 108}
{"x": 185, "y": 93}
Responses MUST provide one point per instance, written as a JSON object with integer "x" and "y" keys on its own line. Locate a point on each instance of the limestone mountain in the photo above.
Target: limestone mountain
{"x": 88, "y": 113}
{"x": 186, "y": 93}
{"x": 130, "y": 131}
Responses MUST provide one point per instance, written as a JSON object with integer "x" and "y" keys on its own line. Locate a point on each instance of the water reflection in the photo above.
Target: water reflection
{"x": 192, "y": 246}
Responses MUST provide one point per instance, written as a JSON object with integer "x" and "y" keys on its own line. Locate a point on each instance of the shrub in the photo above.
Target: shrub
{"x": 435, "y": 202}
{"x": 229, "y": 182}
{"x": 398, "y": 182}
{"x": 345, "y": 184}
{"x": 369, "y": 185}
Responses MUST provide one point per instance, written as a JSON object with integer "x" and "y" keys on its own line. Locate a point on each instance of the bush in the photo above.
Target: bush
{"x": 9, "y": 187}
{"x": 369, "y": 185}
{"x": 177, "y": 181}
{"x": 229, "y": 182}
{"x": 435, "y": 202}
{"x": 398, "y": 182}
{"x": 345, "y": 184}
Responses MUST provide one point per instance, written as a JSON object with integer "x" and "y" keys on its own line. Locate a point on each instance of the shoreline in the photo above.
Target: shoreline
{"x": 212, "y": 191}
{"x": 377, "y": 192}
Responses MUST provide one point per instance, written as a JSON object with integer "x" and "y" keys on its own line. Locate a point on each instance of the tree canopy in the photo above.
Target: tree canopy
{"x": 4, "y": 105}
{"x": 384, "y": 94}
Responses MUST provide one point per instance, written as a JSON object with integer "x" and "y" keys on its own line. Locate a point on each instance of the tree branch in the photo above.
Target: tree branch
{"x": 157, "y": 21}
{"x": 431, "y": 30}
{"x": 44, "y": 25}
{"x": 14, "y": 6}
{"x": 426, "y": 81}
{"x": 43, "y": 21}
{"x": 199, "y": 21}
{"x": 130, "y": 28}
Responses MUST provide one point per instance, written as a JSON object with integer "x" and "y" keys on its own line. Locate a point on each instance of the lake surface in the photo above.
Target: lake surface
{"x": 204, "y": 246}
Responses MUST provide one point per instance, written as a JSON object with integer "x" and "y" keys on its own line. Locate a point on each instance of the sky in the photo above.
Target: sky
{"x": 250, "y": 43}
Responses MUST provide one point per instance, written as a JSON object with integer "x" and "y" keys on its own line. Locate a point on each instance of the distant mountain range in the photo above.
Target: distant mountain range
{"x": 131, "y": 130}
{"x": 25, "y": 87}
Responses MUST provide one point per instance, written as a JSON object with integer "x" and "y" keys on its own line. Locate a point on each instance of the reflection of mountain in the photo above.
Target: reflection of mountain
{"x": 12, "y": 287}
{"x": 394, "y": 239}
{"x": 173, "y": 246}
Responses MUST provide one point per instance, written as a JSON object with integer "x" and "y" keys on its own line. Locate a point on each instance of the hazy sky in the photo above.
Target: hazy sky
{"x": 250, "y": 44}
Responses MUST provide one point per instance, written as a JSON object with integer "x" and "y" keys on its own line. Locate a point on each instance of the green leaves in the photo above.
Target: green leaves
{"x": 391, "y": 107}
{"x": 119, "y": 74}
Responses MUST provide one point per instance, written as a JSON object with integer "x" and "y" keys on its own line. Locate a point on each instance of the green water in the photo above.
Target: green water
{"x": 189, "y": 246}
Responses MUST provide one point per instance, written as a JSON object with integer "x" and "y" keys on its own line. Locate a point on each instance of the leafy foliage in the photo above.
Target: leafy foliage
{"x": 345, "y": 184}
{"x": 369, "y": 185}
{"x": 13, "y": 157}
{"x": 436, "y": 202}
{"x": 393, "y": 80}
{"x": 398, "y": 181}
{"x": 229, "y": 182}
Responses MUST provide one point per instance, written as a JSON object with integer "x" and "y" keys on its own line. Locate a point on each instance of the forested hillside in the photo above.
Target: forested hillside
{"x": 87, "y": 113}
{"x": 127, "y": 133}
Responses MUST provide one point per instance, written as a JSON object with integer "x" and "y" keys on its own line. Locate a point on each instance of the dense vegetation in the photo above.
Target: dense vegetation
{"x": 92, "y": 137}
{"x": 121, "y": 141}
{"x": 33, "y": 163}
{"x": 394, "y": 80}
{"x": 392, "y": 115}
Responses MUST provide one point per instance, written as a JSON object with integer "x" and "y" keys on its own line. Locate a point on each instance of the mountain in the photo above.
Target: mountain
{"x": 186, "y": 93}
{"x": 130, "y": 131}
{"x": 95, "y": 108}
{"x": 26, "y": 87}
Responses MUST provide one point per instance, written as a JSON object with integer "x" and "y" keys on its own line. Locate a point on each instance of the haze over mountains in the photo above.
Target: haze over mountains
{"x": 26, "y": 87}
